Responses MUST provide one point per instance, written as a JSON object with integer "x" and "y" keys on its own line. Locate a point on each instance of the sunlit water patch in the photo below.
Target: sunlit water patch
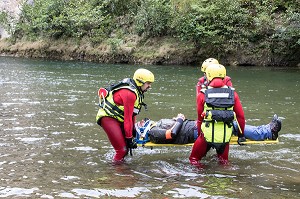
{"x": 291, "y": 136}
{"x": 120, "y": 193}
{"x": 188, "y": 191}
{"x": 85, "y": 149}
{"x": 29, "y": 140}
{"x": 70, "y": 178}
{"x": 16, "y": 192}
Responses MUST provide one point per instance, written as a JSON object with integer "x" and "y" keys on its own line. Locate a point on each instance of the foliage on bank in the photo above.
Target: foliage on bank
{"x": 265, "y": 29}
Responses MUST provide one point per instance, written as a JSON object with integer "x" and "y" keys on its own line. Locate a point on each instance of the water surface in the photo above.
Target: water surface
{"x": 51, "y": 147}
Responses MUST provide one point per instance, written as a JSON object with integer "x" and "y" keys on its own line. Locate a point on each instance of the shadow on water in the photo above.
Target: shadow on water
{"x": 50, "y": 146}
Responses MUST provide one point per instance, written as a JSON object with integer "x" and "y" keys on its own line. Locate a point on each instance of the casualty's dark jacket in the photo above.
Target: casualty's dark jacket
{"x": 186, "y": 134}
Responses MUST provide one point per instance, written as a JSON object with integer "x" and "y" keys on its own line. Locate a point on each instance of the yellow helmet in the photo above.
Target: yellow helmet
{"x": 208, "y": 62}
{"x": 141, "y": 76}
{"x": 215, "y": 70}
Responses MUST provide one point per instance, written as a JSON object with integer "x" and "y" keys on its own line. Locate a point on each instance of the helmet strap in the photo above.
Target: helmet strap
{"x": 140, "y": 81}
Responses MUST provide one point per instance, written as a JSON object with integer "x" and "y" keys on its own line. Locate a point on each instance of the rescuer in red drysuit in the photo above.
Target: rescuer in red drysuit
{"x": 120, "y": 104}
{"x": 210, "y": 103}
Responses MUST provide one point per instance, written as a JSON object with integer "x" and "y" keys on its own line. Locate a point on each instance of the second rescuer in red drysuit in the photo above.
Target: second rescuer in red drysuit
{"x": 203, "y": 82}
{"x": 217, "y": 106}
{"x": 119, "y": 105}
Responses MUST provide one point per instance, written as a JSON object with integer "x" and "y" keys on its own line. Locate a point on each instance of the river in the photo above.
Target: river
{"x": 51, "y": 147}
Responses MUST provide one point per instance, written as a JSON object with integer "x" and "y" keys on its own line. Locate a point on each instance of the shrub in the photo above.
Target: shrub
{"x": 153, "y": 18}
{"x": 217, "y": 26}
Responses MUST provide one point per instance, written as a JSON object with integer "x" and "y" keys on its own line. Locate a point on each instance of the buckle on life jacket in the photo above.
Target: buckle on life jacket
{"x": 207, "y": 124}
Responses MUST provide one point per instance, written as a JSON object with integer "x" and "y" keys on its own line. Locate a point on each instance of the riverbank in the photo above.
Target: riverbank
{"x": 135, "y": 50}
{"x": 130, "y": 51}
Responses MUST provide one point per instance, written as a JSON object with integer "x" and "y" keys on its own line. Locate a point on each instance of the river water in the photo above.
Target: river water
{"x": 51, "y": 147}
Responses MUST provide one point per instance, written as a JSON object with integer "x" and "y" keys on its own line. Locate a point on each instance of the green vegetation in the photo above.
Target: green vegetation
{"x": 219, "y": 27}
{"x": 4, "y": 21}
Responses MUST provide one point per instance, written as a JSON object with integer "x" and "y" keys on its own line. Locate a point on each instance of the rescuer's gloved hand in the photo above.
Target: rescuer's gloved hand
{"x": 131, "y": 144}
{"x": 134, "y": 131}
{"x": 241, "y": 140}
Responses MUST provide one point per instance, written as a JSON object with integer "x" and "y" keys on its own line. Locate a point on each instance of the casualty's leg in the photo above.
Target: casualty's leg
{"x": 262, "y": 132}
{"x": 114, "y": 133}
{"x": 258, "y": 132}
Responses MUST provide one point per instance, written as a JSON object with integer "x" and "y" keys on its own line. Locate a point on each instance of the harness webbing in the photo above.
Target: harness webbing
{"x": 110, "y": 108}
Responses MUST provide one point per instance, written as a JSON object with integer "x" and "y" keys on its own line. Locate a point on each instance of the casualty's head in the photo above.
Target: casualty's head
{"x": 215, "y": 71}
{"x": 207, "y": 62}
{"x": 143, "y": 78}
{"x": 143, "y": 126}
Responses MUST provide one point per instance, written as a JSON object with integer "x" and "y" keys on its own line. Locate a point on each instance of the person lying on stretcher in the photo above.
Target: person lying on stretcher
{"x": 180, "y": 130}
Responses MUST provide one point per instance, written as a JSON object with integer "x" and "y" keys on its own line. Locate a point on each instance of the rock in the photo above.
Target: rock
{"x": 12, "y": 8}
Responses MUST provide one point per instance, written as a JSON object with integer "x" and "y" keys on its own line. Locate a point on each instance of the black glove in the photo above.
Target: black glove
{"x": 134, "y": 131}
{"x": 241, "y": 140}
{"x": 131, "y": 144}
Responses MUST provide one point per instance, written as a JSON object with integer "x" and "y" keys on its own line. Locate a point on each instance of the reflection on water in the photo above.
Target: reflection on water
{"x": 50, "y": 146}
